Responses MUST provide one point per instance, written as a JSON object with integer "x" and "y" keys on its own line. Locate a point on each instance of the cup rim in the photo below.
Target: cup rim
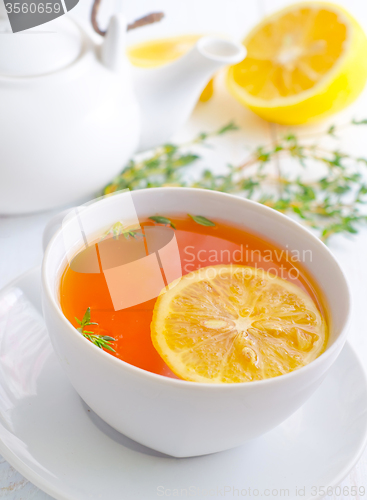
{"x": 179, "y": 383}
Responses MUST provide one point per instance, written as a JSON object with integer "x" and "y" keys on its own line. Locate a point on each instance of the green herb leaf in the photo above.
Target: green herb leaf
{"x": 119, "y": 229}
{"x": 359, "y": 122}
{"x": 203, "y": 221}
{"x": 86, "y": 317}
{"x": 331, "y": 130}
{"x": 231, "y": 126}
{"x": 162, "y": 220}
{"x": 101, "y": 341}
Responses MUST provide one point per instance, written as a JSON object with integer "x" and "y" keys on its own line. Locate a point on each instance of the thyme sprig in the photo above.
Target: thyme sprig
{"x": 119, "y": 229}
{"x": 164, "y": 166}
{"x": 101, "y": 341}
{"x": 332, "y": 202}
{"x": 201, "y": 220}
{"x": 159, "y": 219}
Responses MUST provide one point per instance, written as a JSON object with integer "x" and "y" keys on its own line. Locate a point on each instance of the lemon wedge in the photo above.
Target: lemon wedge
{"x": 303, "y": 63}
{"x": 228, "y": 323}
{"x": 154, "y": 53}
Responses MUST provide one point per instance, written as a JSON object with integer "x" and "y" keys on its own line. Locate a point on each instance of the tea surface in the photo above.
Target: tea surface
{"x": 199, "y": 246}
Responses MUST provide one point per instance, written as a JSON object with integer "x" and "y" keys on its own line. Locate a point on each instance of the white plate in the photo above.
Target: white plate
{"x": 58, "y": 443}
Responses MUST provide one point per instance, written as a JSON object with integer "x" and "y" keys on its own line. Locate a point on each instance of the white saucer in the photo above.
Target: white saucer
{"x": 53, "y": 439}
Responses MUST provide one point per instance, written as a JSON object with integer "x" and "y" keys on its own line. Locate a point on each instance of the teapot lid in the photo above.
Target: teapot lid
{"x": 40, "y": 50}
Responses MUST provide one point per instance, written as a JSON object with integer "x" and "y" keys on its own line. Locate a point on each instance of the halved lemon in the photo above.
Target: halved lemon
{"x": 303, "y": 63}
{"x": 153, "y": 53}
{"x": 226, "y": 324}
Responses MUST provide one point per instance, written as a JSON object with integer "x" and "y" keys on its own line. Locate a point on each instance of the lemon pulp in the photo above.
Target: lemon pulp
{"x": 226, "y": 324}
{"x": 303, "y": 63}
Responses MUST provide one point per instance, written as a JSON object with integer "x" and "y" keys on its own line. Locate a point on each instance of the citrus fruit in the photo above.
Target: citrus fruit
{"x": 228, "y": 323}
{"x": 303, "y": 63}
{"x": 154, "y": 53}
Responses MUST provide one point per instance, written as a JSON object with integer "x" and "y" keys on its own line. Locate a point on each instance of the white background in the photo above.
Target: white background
{"x": 20, "y": 237}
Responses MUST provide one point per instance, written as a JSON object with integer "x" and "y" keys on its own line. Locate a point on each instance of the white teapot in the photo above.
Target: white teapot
{"x": 73, "y": 112}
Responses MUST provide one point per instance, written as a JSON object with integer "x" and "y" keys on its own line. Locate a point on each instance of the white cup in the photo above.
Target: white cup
{"x": 182, "y": 418}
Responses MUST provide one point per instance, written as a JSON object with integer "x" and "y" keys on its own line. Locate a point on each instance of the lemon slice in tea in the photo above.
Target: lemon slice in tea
{"x": 226, "y": 324}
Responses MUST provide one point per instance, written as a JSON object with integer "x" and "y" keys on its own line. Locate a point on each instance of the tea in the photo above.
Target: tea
{"x": 202, "y": 244}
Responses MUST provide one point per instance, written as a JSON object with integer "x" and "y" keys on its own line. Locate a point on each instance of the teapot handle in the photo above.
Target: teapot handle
{"x": 154, "y": 17}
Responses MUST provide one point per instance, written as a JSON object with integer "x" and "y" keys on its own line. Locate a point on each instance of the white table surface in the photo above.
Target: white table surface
{"x": 20, "y": 236}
